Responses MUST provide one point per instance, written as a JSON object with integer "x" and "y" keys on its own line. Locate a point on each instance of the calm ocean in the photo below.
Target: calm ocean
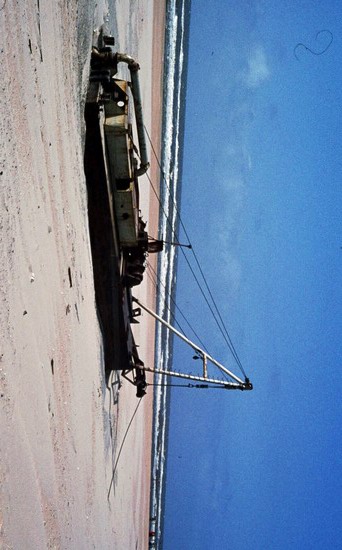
{"x": 175, "y": 76}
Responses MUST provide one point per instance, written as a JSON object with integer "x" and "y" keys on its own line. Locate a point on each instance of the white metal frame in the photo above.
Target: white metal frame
{"x": 238, "y": 383}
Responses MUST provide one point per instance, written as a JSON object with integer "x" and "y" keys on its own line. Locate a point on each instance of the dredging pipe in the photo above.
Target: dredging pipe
{"x": 135, "y": 88}
{"x": 109, "y": 60}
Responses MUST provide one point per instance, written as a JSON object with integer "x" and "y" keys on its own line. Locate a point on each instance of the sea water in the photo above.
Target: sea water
{"x": 175, "y": 73}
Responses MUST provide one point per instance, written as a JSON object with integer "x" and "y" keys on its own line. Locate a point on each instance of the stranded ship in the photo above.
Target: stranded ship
{"x": 119, "y": 240}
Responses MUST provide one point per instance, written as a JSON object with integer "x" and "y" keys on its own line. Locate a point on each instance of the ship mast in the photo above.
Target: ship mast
{"x": 237, "y": 384}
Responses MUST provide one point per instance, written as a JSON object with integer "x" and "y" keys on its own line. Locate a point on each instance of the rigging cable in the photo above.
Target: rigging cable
{"x": 121, "y": 446}
{"x": 154, "y": 282}
{"x": 221, "y": 325}
{"x": 178, "y": 309}
{"x": 227, "y": 339}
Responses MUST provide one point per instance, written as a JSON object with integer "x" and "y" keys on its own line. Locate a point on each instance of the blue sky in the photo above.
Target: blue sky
{"x": 261, "y": 197}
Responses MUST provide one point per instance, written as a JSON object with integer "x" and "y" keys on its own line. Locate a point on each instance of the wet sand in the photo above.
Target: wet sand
{"x": 61, "y": 428}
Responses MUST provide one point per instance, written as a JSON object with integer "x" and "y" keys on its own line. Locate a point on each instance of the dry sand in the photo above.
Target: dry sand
{"x": 57, "y": 417}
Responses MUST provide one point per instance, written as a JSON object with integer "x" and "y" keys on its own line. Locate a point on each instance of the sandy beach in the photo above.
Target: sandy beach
{"x": 61, "y": 427}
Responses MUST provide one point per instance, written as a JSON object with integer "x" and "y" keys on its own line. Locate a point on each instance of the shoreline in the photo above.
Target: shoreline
{"x": 158, "y": 38}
